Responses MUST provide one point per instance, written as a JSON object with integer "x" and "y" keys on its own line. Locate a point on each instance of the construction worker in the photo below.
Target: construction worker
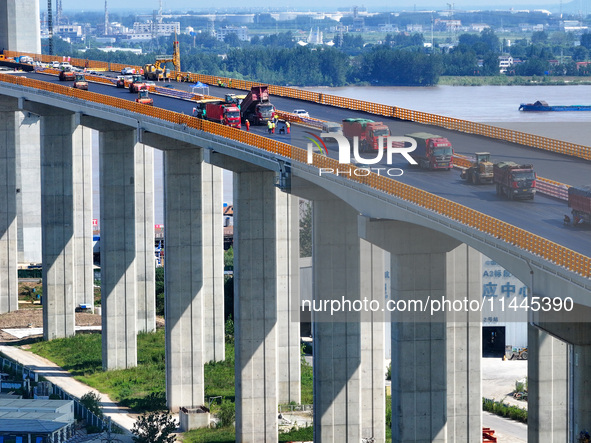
{"x": 247, "y": 124}
{"x": 273, "y": 127}
{"x": 270, "y": 126}
{"x": 287, "y": 126}
{"x": 219, "y": 82}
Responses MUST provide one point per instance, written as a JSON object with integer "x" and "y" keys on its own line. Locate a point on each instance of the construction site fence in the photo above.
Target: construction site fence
{"x": 496, "y": 228}
{"x": 80, "y": 410}
{"x": 522, "y": 138}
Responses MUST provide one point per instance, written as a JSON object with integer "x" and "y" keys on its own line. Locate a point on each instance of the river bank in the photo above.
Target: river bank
{"x": 503, "y": 80}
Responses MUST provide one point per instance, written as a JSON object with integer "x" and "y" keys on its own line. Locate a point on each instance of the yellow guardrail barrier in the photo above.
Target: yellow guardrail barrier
{"x": 535, "y": 141}
{"x": 521, "y": 238}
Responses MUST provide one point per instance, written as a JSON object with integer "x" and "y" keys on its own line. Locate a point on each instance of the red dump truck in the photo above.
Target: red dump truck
{"x": 433, "y": 151}
{"x": 256, "y": 106}
{"x": 515, "y": 181}
{"x": 223, "y": 113}
{"x": 367, "y": 132}
{"x": 579, "y": 199}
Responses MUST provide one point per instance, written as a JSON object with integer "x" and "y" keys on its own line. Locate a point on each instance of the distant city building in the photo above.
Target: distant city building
{"x": 158, "y": 29}
{"x": 414, "y": 28}
{"x": 446, "y": 25}
{"x": 505, "y": 61}
{"x": 71, "y": 32}
{"x": 388, "y": 28}
{"x": 315, "y": 37}
{"x": 478, "y": 27}
{"x": 241, "y": 32}
{"x": 137, "y": 51}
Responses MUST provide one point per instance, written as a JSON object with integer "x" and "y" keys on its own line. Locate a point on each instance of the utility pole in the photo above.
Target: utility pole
{"x": 50, "y": 26}
{"x": 451, "y": 25}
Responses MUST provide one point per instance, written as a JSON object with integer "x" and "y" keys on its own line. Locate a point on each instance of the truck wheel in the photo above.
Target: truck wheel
{"x": 523, "y": 355}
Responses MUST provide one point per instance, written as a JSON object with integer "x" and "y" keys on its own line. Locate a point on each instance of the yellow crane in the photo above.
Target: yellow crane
{"x": 157, "y": 70}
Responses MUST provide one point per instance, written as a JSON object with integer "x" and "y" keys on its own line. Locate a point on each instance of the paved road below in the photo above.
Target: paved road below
{"x": 62, "y": 378}
{"x": 506, "y": 431}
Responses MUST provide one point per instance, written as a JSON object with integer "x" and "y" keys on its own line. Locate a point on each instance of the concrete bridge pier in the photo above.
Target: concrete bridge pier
{"x": 547, "y": 378}
{"x": 82, "y": 190}
{"x": 8, "y": 209}
{"x": 337, "y": 338}
{"x": 28, "y": 181}
{"x": 117, "y": 148}
{"x": 255, "y": 305}
{"x": 288, "y": 297}
{"x": 144, "y": 219}
{"x": 57, "y": 215}
{"x": 436, "y": 393}
{"x": 213, "y": 264}
{"x": 184, "y": 263}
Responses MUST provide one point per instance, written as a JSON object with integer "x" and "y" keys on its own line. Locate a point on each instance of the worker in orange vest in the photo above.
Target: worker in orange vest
{"x": 247, "y": 125}
{"x": 287, "y": 126}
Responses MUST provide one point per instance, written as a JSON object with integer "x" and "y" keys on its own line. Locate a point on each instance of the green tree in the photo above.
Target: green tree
{"x": 157, "y": 427}
{"x": 305, "y": 228}
{"x": 159, "y": 286}
{"x": 539, "y": 37}
{"x": 226, "y": 414}
{"x": 586, "y": 40}
{"x": 229, "y": 259}
{"x": 92, "y": 402}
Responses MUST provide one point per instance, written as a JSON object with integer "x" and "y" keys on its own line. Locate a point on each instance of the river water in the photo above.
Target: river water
{"x": 497, "y": 105}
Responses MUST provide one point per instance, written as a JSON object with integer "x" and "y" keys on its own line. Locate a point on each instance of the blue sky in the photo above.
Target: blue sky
{"x": 303, "y": 4}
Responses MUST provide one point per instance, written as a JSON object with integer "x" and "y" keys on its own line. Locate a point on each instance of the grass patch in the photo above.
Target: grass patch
{"x": 206, "y": 435}
{"x": 307, "y": 378}
{"x": 504, "y": 410}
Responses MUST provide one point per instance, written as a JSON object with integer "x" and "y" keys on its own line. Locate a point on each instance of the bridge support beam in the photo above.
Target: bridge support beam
{"x": 464, "y": 347}
{"x": 58, "y": 224}
{"x": 255, "y": 306}
{"x": 82, "y": 189}
{"x": 8, "y": 209}
{"x": 28, "y": 179}
{"x": 337, "y": 338}
{"x": 547, "y": 378}
{"x": 213, "y": 264}
{"x": 436, "y": 360}
{"x": 184, "y": 263}
{"x": 373, "y": 395}
{"x": 144, "y": 219}
{"x": 118, "y": 247}
{"x": 288, "y": 295}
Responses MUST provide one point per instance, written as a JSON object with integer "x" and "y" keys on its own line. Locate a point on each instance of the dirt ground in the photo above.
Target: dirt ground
{"x": 33, "y": 318}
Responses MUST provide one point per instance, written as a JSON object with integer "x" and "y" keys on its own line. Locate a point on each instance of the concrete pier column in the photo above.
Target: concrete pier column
{"x": 117, "y": 149}
{"x": 581, "y": 387}
{"x": 373, "y": 370}
{"x": 288, "y": 295}
{"x": 183, "y": 277}
{"x": 419, "y": 366}
{"x": 28, "y": 181}
{"x": 57, "y": 217}
{"x": 464, "y": 348}
{"x": 547, "y": 379}
{"x": 337, "y": 338}
{"x": 213, "y": 264}
{"x": 255, "y": 306}
{"x": 8, "y": 194}
{"x": 82, "y": 189}
{"x": 144, "y": 219}
{"x": 418, "y": 351}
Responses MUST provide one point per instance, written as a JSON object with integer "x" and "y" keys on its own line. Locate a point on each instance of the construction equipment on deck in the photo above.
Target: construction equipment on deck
{"x": 157, "y": 70}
